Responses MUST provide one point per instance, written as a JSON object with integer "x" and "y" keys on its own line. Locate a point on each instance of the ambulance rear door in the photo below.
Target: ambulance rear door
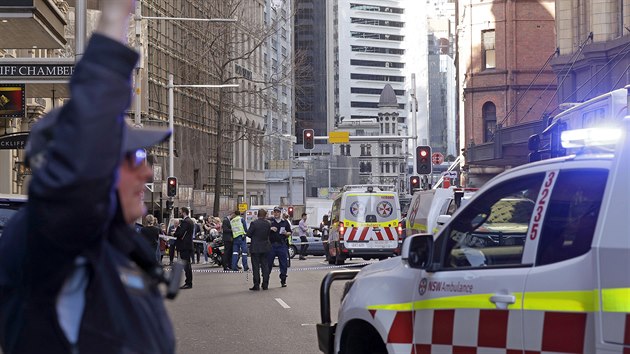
{"x": 470, "y": 299}
{"x": 371, "y": 220}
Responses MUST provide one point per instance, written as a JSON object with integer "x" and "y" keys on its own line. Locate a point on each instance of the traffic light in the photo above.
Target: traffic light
{"x": 169, "y": 204}
{"x": 308, "y": 139}
{"x": 290, "y": 211}
{"x": 414, "y": 182}
{"x": 171, "y": 187}
{"x": 423, "y": 156}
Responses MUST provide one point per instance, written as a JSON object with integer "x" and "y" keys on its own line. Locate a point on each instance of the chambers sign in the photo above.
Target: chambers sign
{"x": 36, "y": 70}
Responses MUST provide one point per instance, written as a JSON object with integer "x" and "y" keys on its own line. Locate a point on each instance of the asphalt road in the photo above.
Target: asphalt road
{"x": 220, "y": 315}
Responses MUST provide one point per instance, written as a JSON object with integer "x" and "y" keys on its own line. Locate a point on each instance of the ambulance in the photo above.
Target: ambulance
{"x": 550, "y": 274}
{"x": 365, "y": 222}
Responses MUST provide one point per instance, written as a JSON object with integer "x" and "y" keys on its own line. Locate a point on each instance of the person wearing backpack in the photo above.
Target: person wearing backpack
{"x": 86, "y": 284}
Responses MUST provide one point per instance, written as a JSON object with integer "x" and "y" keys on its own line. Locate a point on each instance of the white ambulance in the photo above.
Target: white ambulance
{"x": 365, "y": 222}
{"x": 537, "y": 261}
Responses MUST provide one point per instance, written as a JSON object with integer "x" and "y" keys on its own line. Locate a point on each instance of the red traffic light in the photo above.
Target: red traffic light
{"x": 171, "y": 187}
{"x": 423, "y": 163}
{"x": 414, "y": 182}
{"x": 308, "y": 139}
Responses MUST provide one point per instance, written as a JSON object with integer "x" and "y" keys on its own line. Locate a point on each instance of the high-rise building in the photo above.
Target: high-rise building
{"x": 310, "y": 28}
{"x": 441, "y": 71}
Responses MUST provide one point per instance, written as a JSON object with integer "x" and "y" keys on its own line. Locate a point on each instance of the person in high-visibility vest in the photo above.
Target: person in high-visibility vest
{"x": 240, "y": 241}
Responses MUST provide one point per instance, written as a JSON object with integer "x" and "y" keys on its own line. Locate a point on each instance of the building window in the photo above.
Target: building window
{"x": 368, "y": 167}
{"x": 489, "y": 121}
{"x": 386, "y": 167}
{"x": 369, "y": 153}
{"x": 488, "y": 51}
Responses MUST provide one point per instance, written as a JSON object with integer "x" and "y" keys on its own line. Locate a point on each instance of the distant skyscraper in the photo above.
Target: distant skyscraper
{"x": 310, "y": 85}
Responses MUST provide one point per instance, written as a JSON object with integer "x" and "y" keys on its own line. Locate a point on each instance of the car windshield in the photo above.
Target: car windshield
{"x": 371, "y": 207}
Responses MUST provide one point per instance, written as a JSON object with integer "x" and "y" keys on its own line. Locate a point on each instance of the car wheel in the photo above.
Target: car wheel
{"x": 292, "y": 251}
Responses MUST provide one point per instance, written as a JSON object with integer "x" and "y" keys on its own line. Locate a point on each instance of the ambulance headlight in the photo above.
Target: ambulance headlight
{"x": 579, "y": 138}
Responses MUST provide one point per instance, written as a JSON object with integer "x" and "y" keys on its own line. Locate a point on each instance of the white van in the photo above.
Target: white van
{"x": 365, "y": 223}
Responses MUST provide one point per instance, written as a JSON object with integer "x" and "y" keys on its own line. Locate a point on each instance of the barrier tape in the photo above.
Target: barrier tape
{"x": 293, "y": 243}
{"x": 276, "y": 269}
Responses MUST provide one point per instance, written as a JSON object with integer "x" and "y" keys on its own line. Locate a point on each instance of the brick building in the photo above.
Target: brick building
{"x": 505, "y": 82}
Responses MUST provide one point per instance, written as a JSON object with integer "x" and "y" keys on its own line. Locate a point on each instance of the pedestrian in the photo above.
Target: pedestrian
{"x": 163, "y": 241}
{"x": 303, "y": 233}
{"x": 228, "y": 242}
{"x": 151, "y": 234}
{"x": 240, "y": 241}
{"x": 75, "y": 277}
{"x": 172, "y": 243}
{"x": 324, "y": 228}
{"x": 280, "y": 231}
{"x": 184, "y": 244}
{"x": 259, "y": 232}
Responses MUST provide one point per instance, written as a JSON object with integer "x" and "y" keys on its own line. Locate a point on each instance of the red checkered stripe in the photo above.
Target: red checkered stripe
{"x": 364, "y": 234}
{"x": 477, "y": 331}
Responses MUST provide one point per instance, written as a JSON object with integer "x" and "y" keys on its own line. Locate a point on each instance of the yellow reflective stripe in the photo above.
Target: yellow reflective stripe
{"x": 477, "y": 301}
{"x": 562, "y": 301}
{"x": 616, "y": 300}
{"x": 480, "y": 301}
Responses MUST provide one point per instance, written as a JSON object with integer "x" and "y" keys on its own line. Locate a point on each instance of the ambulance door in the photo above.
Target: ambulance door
{"x": 559, "y": 302}
{"x": 471, "y": 297}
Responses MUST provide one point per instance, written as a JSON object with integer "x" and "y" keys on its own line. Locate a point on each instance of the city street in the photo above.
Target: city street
{"x": 220, "y": 314}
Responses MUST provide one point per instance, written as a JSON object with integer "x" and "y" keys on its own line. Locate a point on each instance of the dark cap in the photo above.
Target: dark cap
{"x": 135, "y": 138}
{"x": 277, "y": 209}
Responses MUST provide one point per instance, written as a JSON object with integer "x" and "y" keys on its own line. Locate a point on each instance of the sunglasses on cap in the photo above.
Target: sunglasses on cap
{"x": 137, "y": 158}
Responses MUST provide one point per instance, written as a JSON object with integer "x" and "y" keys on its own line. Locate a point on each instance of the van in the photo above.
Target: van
{"x": 365, "y": 223}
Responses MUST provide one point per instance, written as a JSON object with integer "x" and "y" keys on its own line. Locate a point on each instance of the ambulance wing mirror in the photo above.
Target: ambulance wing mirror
{"x": 442, "y": 220}
{"x": 417, "y": 251}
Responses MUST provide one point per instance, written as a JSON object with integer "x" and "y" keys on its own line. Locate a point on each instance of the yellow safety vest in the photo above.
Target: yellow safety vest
{"x": 237, "y": 227}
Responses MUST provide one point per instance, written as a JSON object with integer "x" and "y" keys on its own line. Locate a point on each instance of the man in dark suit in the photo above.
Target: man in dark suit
{"x": 259, "y": 231}
{"x": 184, "y": 244}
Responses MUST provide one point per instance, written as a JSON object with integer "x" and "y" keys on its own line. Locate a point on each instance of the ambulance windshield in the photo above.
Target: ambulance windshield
{"x": 371, "y": 207}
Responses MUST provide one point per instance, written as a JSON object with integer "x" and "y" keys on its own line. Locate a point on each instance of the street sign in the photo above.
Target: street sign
{"x": 449, "y": 174}
{"x": 338, "y": 137}
{"x": 437, "y": 158}
{"x": 242, "y": 207}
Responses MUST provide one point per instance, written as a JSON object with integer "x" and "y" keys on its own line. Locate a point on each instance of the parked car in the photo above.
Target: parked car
{"x": 315, "y": 246}
{"x": 9, "y": 205}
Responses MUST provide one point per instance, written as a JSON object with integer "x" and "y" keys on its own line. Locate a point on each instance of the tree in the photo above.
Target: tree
{"x": 225, "y": 53}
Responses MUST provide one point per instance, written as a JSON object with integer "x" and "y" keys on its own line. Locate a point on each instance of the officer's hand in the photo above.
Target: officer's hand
{"x": 114, "y": 20}
{"x": 274, "y": 229}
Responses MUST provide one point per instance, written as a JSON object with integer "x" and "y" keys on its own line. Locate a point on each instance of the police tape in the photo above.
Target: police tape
{"x": 276, "y": 269}
{"x": 292, "y": 242}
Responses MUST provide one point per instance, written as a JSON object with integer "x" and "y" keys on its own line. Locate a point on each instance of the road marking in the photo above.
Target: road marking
{"x": 282, "y": 303}
{"x": 308, "y": 324}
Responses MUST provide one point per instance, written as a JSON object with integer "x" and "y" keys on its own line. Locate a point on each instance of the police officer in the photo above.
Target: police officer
{"x": 88, "y": 284}
{"x": 240, "y": 242}
{"x": 280, "y": 232}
